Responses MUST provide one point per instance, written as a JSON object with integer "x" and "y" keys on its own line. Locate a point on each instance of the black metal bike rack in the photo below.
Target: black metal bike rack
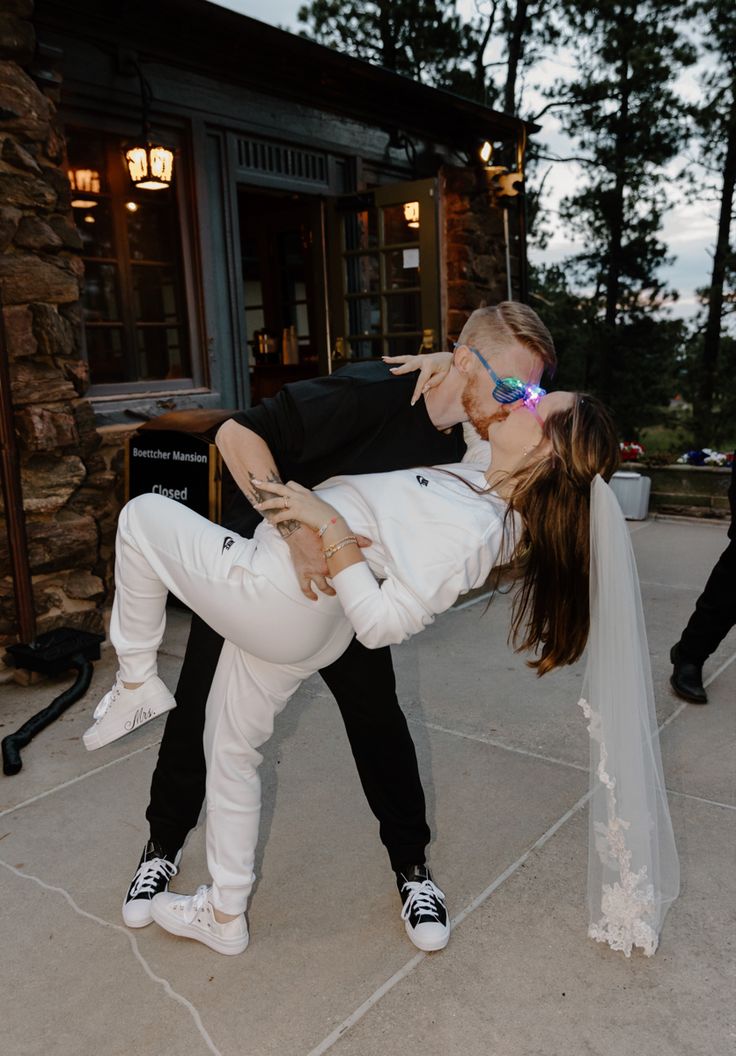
{"x": 52, "y": 653}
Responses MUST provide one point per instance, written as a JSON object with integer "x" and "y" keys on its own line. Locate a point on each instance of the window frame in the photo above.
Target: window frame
{"x": 190, "y": 322}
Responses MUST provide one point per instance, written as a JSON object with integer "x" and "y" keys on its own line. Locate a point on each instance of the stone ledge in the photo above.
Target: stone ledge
{"x": 682, "y": 490}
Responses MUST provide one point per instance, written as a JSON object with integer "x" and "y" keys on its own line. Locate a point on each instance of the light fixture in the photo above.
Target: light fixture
{"x": 150, "y": 166}
{"x": 84, "y": 181}
{"x": 150, "y": 163}
{"x": 503, "y": 183}
{"x": 89, "y": 219}
{"x": 411, "y": 214}
{"x": 132, "y": 207}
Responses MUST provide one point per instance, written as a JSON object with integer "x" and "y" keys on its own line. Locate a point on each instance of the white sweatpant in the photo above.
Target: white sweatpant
{"x": 247, "y": 591}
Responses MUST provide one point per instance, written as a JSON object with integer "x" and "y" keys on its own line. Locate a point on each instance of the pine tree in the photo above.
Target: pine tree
{"x": 422, "y": 39}
{"x": 628, "y": 124}
{"x": 428, "y": 41}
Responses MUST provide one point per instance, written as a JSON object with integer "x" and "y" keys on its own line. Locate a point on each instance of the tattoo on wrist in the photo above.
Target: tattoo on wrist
{"x": 254, "y": 494}
{"x": 287, "y": 528}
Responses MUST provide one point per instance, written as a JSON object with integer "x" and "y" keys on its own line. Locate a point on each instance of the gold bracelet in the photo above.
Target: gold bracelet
{"x": 332, "y": 550}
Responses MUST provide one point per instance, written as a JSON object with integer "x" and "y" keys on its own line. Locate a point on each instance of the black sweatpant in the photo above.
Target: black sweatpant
{"x": 362, "y": 681}
{"x": 715, "y": 609}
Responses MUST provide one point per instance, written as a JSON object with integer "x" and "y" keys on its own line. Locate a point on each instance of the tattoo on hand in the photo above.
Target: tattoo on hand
{"x": 286, "y": 528}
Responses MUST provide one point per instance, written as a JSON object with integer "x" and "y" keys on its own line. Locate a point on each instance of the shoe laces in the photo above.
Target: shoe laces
{"x": 108, "y": 700}
{"x": 195, "y": 903}
{"x": 423, "y": 899}
{"x": 149, "y": 876}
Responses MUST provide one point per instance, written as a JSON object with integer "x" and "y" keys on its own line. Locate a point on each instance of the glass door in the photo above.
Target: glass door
{"x": 385, "y": 273}
{"x": 281, "y": 283}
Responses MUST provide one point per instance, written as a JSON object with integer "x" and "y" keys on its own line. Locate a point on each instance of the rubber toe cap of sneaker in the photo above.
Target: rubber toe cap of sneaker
{"x": 137, "y": 914}
{"x": 429, "y": 936}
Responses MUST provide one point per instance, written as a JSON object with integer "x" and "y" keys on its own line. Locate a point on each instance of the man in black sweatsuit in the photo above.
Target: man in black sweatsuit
{"x": 358, "y": 420}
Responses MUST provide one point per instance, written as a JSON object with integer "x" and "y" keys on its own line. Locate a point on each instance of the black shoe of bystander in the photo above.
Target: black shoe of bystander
{"x": 687, "y": 678}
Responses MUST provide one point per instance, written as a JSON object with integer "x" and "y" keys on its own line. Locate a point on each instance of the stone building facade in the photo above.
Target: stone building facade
{"x": 267, "y": 154}
{"x": 68, "y": 498}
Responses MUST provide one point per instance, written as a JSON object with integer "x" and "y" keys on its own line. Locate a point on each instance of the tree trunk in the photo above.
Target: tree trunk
{"x": 616, "y": 228}
{"x": 388, "y": 42}
{"x": 479, "y": 77}
{"x": 712, "y": 339}
{"x": 516, "y": 50}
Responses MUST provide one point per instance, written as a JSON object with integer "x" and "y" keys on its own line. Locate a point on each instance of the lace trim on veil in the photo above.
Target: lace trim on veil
{"x": 628, "y": 904}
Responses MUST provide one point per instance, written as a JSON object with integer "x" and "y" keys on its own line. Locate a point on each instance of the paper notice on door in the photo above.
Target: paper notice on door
{"x": 411, "y": 258}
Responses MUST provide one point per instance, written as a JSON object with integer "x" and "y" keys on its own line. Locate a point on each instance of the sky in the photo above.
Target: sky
{"x": 689, "y": 229}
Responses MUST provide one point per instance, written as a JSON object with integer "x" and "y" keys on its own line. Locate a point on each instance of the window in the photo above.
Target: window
{"x": 133, "y": 299}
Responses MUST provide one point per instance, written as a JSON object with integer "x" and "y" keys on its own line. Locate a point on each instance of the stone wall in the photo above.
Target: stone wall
{"x": 67, "y": 485}
{"x": 689, "y": 491}
{"x": 474, "y": 246}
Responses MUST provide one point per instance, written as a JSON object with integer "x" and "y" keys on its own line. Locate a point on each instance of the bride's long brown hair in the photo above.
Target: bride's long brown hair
{"x": 551, "y": 614}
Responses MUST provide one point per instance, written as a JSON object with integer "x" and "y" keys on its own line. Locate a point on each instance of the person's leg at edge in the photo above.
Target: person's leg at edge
{"x": 364, "y": 686}
{"x": 713, "y": 618}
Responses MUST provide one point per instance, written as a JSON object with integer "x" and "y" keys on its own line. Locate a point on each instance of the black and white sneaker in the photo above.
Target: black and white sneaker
{"x": 425, "y": 913}
{"x": 152, "y": 877}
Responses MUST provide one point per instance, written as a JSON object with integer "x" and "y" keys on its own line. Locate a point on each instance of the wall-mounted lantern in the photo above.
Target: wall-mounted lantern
{"x": 504, "y": 183}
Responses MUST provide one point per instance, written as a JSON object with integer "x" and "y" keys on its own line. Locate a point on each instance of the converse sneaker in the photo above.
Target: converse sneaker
{"x": 152, "y": 876}
{"x": 424, "y": 913}
{"x": 122, "y": 710}
{"x": 193, "y": 917}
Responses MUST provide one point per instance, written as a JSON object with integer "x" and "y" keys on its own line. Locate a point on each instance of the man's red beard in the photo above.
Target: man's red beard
{"x": 480, "y": 420}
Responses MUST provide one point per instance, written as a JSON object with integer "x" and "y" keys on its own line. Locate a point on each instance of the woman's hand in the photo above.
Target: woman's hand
{"x": 292, "y": 502}
{"x": 433, "y": 368}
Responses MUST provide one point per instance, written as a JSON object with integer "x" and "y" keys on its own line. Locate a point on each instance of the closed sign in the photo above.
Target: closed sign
{"x": 179, "y": 466}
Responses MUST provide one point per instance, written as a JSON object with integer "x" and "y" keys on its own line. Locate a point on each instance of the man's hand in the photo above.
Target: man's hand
{"x": 433, "y": 368}
{"x": 309, "y": 561}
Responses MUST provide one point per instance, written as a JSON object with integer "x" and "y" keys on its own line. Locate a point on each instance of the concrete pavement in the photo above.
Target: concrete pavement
{"x": 329, "y": 969}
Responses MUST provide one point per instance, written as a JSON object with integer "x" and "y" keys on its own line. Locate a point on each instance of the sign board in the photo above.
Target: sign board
{"x": 177, "y": 465}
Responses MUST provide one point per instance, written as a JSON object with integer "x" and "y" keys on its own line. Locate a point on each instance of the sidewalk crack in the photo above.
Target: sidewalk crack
{"x": 168, "y": 989}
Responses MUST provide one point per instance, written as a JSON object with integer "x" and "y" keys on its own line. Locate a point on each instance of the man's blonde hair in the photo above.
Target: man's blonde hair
{"x": 506, "y": 323}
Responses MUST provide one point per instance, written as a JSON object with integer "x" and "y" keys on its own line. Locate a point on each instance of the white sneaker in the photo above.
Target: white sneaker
{"x": 193, "y": 917}
{"x": 122, "y": 710}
